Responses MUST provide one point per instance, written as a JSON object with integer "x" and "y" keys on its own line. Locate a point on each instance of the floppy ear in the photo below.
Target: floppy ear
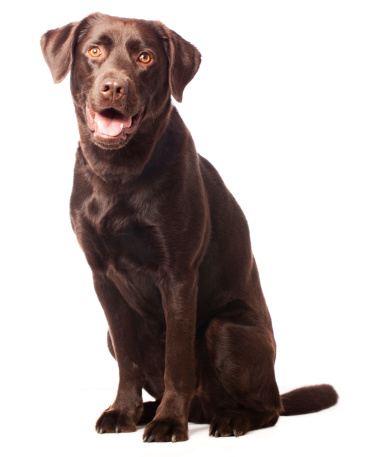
{"x": 57, "y": 47}
{"x": 184, "y": 61}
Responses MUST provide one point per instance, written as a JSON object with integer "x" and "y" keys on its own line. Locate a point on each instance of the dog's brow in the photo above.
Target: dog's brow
{"x": 102, "y": 39}
{"x": 135, "y": 44}
{"x": 105, "y": 39}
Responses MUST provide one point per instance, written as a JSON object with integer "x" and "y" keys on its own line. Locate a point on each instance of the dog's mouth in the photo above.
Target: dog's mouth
{"x": 112, "y": 127}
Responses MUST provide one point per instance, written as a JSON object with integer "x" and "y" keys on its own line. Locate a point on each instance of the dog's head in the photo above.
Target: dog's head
{"x": 123, "y": 72}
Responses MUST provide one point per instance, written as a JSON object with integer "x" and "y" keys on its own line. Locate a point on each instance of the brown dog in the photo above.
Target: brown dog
{"x": 167, "y": 243}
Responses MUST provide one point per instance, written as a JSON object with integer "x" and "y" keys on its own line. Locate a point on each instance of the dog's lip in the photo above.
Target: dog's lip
{"x": 111, "y": 123}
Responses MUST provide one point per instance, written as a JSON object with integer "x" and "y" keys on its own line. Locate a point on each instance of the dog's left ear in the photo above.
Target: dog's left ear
{"x": 184, "y": 61}
{"x": 57, "y": 47}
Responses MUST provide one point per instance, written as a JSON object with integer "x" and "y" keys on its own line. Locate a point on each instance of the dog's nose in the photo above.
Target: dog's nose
{"x": 113, "y": 89}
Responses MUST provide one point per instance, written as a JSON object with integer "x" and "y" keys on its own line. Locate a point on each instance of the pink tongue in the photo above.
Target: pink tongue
{"x": 111, "y": 125}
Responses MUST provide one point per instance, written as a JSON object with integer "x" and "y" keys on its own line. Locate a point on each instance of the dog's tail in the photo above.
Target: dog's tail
{"x": 309, "y": 399}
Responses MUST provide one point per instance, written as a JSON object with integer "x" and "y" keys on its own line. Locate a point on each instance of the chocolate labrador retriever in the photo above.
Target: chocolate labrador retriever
{"x": 167, "y": 243}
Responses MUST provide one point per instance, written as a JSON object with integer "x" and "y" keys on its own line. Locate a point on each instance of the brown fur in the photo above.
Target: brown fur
{"x": 168, "y": 245}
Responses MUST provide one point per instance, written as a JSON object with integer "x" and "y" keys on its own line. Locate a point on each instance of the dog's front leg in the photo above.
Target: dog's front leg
{"x": 171, "y": 419}
{"x": 126, "y": 410}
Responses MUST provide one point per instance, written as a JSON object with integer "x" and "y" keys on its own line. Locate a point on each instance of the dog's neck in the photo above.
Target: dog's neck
{"x": 137, "y": 159}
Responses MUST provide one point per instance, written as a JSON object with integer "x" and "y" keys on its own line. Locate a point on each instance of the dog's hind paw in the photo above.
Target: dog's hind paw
{"x": 237, "y": 423}
{"x": 230, "y": 423}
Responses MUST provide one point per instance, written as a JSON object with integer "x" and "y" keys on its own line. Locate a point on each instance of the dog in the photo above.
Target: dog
{"x": 168, "y": 245}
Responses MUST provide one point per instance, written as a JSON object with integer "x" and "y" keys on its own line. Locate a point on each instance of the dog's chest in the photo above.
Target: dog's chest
{"x": 114, "y": 236}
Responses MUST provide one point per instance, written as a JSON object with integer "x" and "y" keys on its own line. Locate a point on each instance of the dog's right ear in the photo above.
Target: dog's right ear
{"x": 57, "y": 46}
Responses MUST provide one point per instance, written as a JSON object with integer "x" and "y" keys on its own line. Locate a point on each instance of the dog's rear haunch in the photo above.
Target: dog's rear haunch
{"x": 168, "y": 245}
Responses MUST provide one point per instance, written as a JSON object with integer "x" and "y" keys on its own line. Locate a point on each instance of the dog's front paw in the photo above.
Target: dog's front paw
{"x": 115, "y": 421}
{"x": 166, "y": 430}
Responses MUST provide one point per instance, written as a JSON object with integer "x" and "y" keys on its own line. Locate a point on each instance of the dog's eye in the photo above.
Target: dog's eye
{"x": 95, "y": 52}
{"x": 145, "y": 57}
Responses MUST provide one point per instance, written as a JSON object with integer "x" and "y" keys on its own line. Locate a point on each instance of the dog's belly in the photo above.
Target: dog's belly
{"x": 134, "y": 259}
{"x": 129, "y": 256}
{"x": 140, "y": 292}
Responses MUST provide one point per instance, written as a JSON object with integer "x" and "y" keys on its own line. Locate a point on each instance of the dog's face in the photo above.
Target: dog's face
{"x": 123, "y": 72}
{"x": 119, "y": 77}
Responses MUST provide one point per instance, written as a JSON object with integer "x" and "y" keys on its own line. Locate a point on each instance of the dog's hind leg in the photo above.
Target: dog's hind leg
{"x": 149, "y": 411}
{"x": 243, "y": 355}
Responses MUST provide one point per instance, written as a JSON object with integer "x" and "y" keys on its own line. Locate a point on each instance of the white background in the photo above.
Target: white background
{"x": 284, "y": 107}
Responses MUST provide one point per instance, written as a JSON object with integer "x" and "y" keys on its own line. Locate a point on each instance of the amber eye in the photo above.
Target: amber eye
{"x": 145, "y": 57}
{"x": 95, "y": 52}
